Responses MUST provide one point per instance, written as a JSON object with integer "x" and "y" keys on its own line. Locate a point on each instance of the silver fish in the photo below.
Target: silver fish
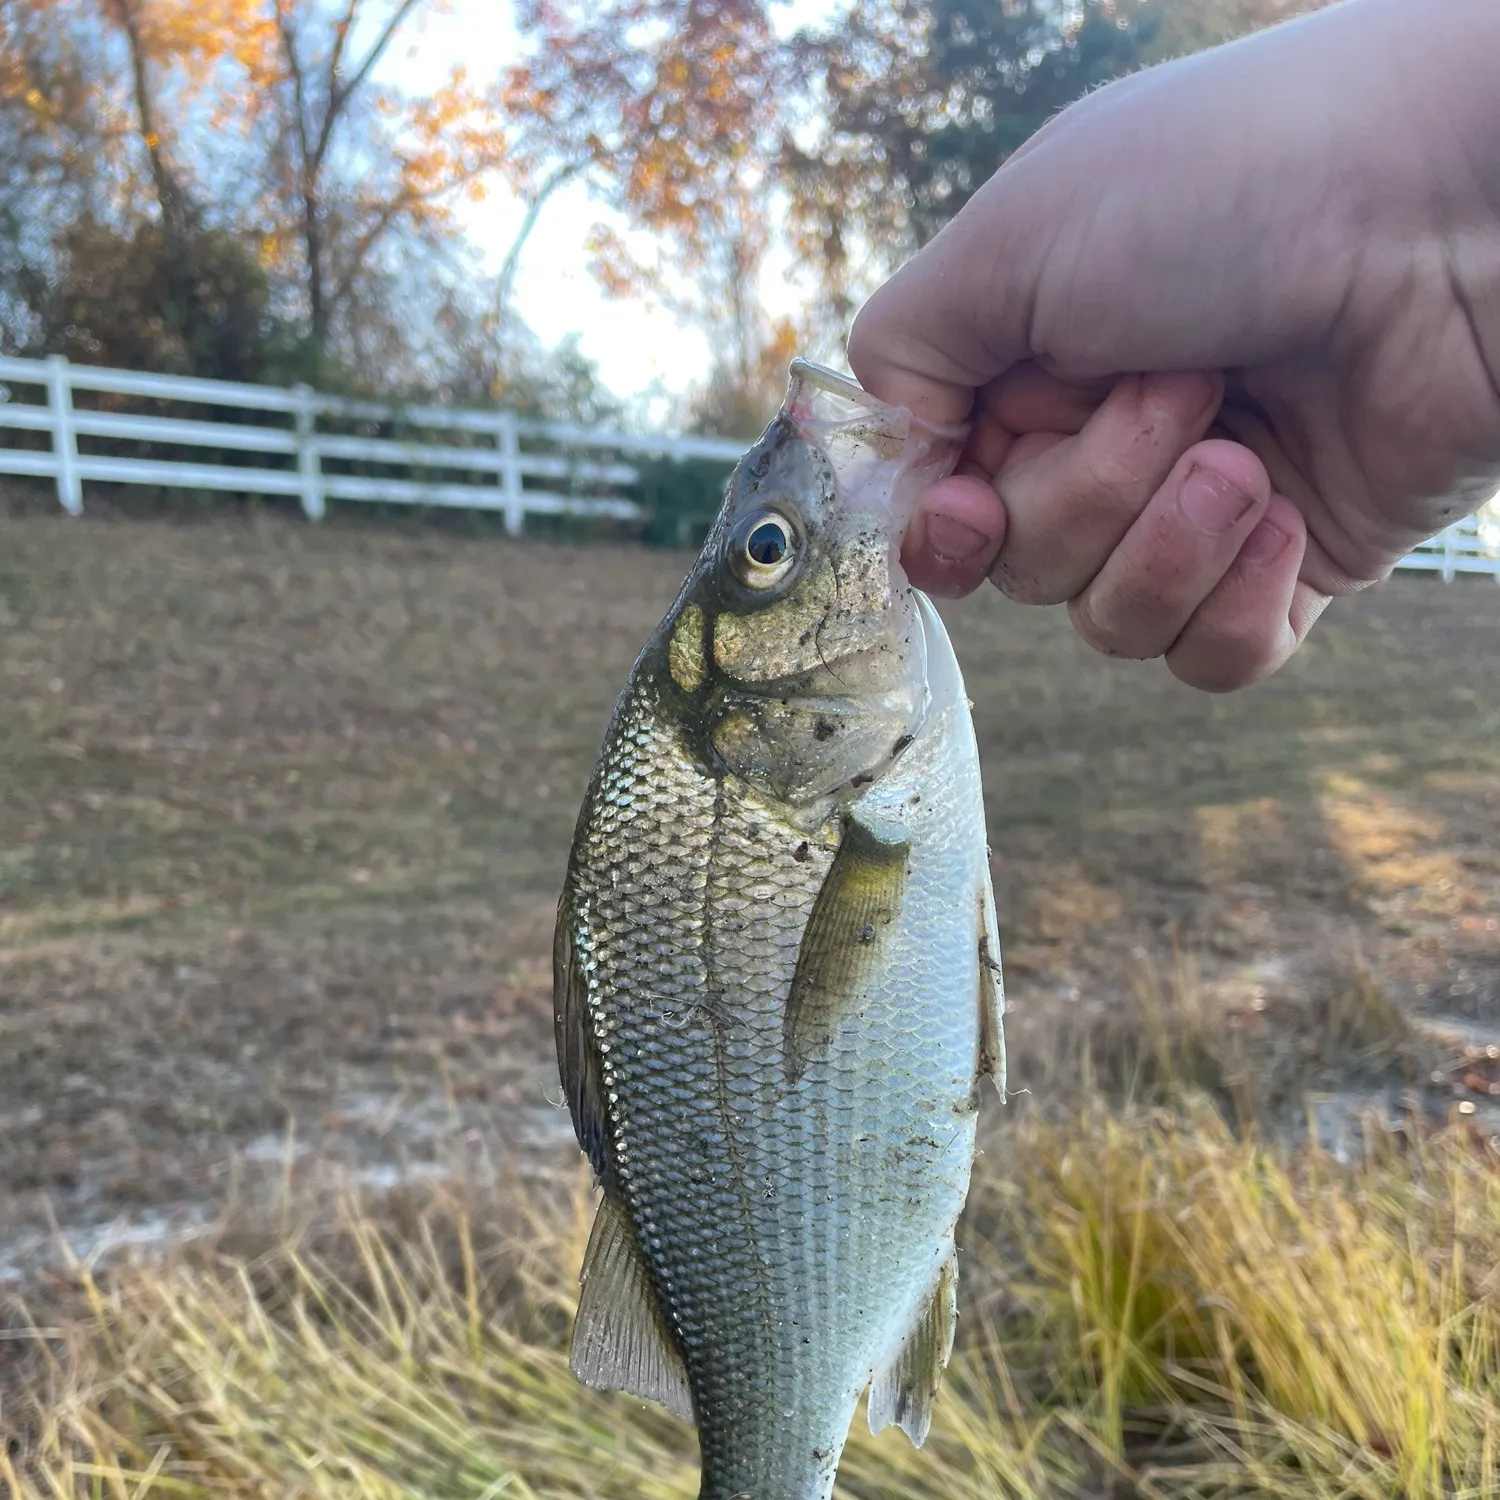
{"x": 777, "y": 969}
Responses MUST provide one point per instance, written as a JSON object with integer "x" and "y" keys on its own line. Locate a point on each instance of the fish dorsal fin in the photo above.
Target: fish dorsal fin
{"x": 991, "y": 990}
{"x": 844, "y": 939}
{"x": 577, "y": 1057}
{"x": 904, "y": 1391}
{"x": 621, "y": 1341}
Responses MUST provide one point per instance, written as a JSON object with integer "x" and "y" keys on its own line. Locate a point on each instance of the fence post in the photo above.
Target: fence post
{"x": 64, "y": 439}
{"x": 1448, "y": 565}
{"x": 308, "y": 465}
{"x": 510, "y": 474}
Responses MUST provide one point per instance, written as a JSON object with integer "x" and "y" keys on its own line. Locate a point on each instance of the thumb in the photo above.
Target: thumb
{"x": 947, "y": 323}
{"x": 959, "y": 314}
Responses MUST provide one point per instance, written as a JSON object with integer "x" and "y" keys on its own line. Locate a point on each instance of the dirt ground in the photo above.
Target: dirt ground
{"x": 284, "y": 810}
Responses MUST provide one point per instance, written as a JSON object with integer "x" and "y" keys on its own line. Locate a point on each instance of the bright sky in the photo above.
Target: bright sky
{"x": 635, "y": 344}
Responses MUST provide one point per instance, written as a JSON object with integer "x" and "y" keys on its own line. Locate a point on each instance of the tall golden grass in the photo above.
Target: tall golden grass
{"x": 1151, "y": 1306}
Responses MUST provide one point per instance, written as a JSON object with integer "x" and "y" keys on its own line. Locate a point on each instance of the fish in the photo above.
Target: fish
{"x": 777, "y": 969}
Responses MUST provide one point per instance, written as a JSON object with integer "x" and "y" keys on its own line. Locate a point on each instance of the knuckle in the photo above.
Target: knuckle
{"x": 1136, "y": 451}
{"x": 1104, "y": 626}
{"x": 1115, "y": 470}
{"x": 1224, "y": 655}
{"x": 1208, "y": 675}
{"x": 1027, "y": 587}
{"x": 1130, "y": 622}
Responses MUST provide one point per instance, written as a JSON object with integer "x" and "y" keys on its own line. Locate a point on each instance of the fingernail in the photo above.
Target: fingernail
{"x": 1264, "y": 544}
{"x": 1211, "y": 502}
{"x": 953, "y": 541}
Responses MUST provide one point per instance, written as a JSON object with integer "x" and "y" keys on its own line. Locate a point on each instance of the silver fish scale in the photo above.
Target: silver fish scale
{"x": 792, "y": 1230}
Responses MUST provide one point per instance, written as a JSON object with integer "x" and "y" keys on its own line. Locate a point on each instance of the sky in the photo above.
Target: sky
{"x": 637, "y": 346}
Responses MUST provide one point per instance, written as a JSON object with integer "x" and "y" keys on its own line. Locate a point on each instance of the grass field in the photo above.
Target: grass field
{"x": 283, "y": 812}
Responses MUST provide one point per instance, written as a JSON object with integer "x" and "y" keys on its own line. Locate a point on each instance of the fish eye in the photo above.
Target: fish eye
{"x": 767, "y": 544}
{"x": 763, "y": 549}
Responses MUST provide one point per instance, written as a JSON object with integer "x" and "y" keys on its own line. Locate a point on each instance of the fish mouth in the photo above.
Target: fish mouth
{"x": 883, "y": 455}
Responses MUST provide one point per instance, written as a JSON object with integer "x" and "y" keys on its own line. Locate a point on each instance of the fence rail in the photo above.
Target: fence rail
{"x": 478, "y": 460}
{"x": 1468, "y": 546}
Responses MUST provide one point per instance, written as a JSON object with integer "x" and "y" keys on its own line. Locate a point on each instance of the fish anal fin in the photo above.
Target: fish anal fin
{"x": 621, "y": 1341}
{"x": 846, "y": 934}
{"x": 903, "y": 1392}
{"x": 991, "y": 991}
{"x": 577, "y": 1057}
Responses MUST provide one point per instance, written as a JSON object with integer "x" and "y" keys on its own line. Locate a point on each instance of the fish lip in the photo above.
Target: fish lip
{"x": 883, "y": 455}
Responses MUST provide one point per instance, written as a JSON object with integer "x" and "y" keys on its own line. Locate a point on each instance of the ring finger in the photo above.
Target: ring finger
{"x": 1175, "y": 554}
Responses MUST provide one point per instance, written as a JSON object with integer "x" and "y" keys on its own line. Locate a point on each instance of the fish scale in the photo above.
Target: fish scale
{"x": 773, "y": 1015}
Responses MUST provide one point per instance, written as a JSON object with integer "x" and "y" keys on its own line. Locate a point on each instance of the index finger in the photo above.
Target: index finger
{"x": 916, "y": 343}
{"x": 959, "y": 314}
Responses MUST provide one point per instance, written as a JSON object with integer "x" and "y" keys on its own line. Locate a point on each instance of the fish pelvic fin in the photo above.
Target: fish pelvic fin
{"x": 903, "y": 1392}
{"x": 991, "y": 990}
{"x": 621, "y": 1341}
{"x": 844, "y": 939}
{"x": 577, "y": 1057}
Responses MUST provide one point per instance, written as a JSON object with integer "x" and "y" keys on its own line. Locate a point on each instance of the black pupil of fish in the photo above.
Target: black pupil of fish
{"x": 767, "y": 544}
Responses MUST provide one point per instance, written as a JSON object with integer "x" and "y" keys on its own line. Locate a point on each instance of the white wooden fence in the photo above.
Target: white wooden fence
{"x": 1468, "y": 546}
{"x": 478, "y": 460}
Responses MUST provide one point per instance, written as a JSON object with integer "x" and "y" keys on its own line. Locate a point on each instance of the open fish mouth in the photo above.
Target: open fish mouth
{"x": 885, "y": 456}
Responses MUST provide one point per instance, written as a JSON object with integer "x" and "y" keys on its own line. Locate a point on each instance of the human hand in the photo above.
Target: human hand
{"x": 1297, "y": 238}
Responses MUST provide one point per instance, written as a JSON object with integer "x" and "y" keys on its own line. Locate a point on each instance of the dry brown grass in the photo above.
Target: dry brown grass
{"x": 1151, "y": 1308}
{"x": 282, "y": 814}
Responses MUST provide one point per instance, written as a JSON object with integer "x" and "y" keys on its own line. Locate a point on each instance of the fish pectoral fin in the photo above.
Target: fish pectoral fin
{"x": 621, "y": 1341}
{"x": 991, "y": 991}
{"x": 577, "y": 1057}
{"x": 846, "y": 935}
{"x": 903, "y": 1391}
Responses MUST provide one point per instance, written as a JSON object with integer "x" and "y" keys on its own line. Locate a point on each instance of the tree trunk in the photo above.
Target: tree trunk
{"x": 176, "y": 214}
{"x": 312, "y": 236}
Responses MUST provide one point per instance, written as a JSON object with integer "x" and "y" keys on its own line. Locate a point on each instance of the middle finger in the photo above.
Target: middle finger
{"x": 1068, "y": 502}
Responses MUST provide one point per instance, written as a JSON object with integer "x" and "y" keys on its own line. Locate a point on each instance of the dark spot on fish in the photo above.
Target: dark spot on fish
{"x": 761, "y": 465}
{"x": 867, "y": 933}
{"x": 902, "y": 743}
{"x": 864, "y": 778}
{"x": 800, "y": 852}
{"x": 824, "y": 729}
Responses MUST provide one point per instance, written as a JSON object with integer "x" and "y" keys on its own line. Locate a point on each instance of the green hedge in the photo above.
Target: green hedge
{"x": 681, "y": 498}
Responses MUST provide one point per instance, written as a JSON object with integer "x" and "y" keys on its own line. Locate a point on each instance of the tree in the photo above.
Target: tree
{"x": 257, "y": 128}
{"x": 924, "y": 99}
{"x": 61, "y": 149}
{"x": 357, "y": 164}
{"x": 672, "y": 112}
{"x": 1206, "y": 23}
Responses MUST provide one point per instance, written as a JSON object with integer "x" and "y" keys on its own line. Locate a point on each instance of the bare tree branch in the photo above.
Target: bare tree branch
{"x": 339, "y": 97}
{"x": 564, "y": 173}
{"x": 287, "y": 32}
{"x": 341, "y": 32}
